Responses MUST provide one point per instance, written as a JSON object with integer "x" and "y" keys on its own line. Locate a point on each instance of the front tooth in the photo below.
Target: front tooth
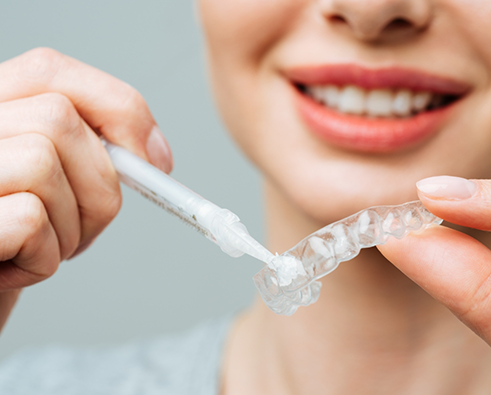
{"x": 421, "y": 100}
{"x": 317, "y": 93}
{"x": 331, "y": 96}
{"x": 352, "y": 100}
{"x": 379, "y": 103}
{"x": 402, "y": 103}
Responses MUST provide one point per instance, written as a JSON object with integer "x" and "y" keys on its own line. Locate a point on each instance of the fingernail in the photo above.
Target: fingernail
{"x": 158, "y": 150}
{"x": 447, "y": 187}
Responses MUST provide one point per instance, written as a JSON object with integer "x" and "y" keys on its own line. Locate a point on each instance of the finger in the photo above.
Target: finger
{"x": 29, "y": 249}
{"x": 107, "y": 104}
{"x": 7, "y": 302}
{"x": 82, "y": 247}
{"x": 85, "y": 162}
{"x": 30, "y": 163}
{"x": 452, "y": 267}
{"x": 457, "y": 200}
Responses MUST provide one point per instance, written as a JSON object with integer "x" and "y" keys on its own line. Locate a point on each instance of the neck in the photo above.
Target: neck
{"x": 370, "y": 322}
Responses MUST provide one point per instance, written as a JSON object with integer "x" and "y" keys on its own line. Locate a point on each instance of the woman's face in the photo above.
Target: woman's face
{"x": 345, "y": 104}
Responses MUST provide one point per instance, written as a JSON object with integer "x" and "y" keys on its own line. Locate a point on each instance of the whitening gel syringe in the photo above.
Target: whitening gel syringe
{"x": 219, "y": 225}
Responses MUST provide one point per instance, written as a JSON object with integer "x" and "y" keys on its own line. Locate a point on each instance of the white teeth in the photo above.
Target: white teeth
{"x": 402, "y": 103}
{"x": 352, "y": 100}
{"x": 385, "y": 103}
{"x": 317, "y": 92}
{"x": 421, "y": 100}
{"x": 379, "y": 103}
{"x": 331, "y": 96}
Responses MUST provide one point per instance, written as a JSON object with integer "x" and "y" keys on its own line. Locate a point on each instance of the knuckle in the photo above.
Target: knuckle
{"x": 69, "y": 241}
{"x": 40, "y": 64}
{"x": 485, "y": 191}
{"x": 32, "y": 217}
{"x": 44, "y": 53}
{"x": 134, "y": 108}
{"x": 110, "y": 206}
{"x": 50, "y": 267}
{"x": 480, "y": 300}
{"x": 58, "y": 113}
{"x": 114, "y": 204}
{"x": 476, "y": 310}
{"x": 101, "y": 208}
{"x": 41, "y": 155}
{"x": 108, "y": 201}
{"x": 132, "y": 100}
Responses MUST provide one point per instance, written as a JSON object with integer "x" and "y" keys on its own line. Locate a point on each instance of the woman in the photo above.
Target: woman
{"x": 343, "y": 104}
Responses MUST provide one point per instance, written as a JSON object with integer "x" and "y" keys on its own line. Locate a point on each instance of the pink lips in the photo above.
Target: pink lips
{"x": 366, "y": 134}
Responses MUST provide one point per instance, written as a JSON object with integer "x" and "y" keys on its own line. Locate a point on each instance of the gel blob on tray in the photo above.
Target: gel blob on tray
{"x": 289, "y": 279}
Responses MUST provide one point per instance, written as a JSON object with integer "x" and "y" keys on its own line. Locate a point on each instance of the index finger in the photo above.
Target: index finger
{"x": 108, "y": 105}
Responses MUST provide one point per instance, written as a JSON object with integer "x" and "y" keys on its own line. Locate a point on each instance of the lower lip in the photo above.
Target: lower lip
{"x": 360, "y": 133}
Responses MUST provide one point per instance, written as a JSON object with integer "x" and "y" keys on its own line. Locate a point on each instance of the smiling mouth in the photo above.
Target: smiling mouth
{"x": 372, "y": 103}
{"x": 373, "y": 110}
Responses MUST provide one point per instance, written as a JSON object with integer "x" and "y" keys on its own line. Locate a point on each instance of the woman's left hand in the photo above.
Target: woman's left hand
{"x": 451, "y": 266}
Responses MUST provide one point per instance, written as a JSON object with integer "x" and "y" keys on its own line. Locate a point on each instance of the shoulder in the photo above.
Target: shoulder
{"x": 180, "y": 364}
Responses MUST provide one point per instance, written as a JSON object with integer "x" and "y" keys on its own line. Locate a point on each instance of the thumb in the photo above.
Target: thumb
{"x": 458, "y": 200}
{"x": 451, "y": 266}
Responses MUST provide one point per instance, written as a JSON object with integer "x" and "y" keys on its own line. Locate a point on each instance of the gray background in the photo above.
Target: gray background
{"x": 148, "y": 273}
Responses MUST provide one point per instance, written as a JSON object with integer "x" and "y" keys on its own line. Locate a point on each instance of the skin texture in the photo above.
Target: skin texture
{"x": 396, "y": 329}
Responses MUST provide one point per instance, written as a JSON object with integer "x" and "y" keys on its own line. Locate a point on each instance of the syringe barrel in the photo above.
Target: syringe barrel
{"x": 162, "y": 189}
{"x": 133, "y": 166}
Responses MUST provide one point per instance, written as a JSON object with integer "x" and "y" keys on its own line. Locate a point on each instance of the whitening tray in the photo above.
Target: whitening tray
{"x": 289, "y": 280}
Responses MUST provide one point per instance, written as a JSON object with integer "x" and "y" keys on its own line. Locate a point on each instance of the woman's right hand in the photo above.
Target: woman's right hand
{"x": 58, "y": 188}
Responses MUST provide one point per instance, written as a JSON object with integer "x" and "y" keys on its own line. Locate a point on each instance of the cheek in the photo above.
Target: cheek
{"x": 472, "y": 136}
{"x": 246, "y": 28}
{"x": 472, "y": 19}
{"x": 468, "y": 24}
{"x": 240, "y": 37}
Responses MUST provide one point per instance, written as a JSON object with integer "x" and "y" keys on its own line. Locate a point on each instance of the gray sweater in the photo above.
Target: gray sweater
{"x": 181, "y": 365}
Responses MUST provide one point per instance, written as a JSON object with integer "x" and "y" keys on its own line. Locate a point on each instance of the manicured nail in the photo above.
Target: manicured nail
{"x": 158, "y": 150}
{"x": 446, "y": 187}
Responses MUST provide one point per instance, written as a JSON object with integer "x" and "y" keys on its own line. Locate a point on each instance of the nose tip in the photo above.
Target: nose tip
{"x": 370, "y": 20}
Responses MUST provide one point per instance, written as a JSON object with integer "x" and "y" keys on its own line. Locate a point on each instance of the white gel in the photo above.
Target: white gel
{"x": 287, "y": 269}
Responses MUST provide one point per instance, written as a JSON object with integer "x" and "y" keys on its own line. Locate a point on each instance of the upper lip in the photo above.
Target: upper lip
{"x": 388, "y": 77}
